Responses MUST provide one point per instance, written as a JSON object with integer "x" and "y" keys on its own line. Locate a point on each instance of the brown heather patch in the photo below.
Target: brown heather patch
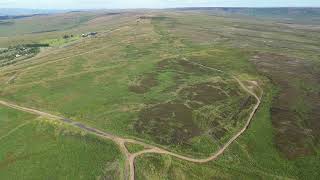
{"x": 168, "y": 123}
{"x": 204, "y": 93}
{"x": 293, "y": 129}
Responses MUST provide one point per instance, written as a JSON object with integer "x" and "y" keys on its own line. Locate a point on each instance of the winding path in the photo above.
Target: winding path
{"x": 120, "y": 141}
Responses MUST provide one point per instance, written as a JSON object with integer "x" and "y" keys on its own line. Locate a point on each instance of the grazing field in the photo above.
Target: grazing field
{"x": 36, "y": 148}
{"x": 181, "y": 83}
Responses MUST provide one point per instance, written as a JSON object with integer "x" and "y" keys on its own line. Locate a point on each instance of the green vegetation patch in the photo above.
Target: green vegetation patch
{"x": 61, "y": 41}
{"x": 151, "y": 166}
{"x": 43, "y": 149}
{"x": 134, "y": 148}
{"x": 144, "y": 83}
{"x": 11, "y": 120}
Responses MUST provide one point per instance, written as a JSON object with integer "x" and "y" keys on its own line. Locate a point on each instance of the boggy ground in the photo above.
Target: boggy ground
{"x": 295, "y": 109}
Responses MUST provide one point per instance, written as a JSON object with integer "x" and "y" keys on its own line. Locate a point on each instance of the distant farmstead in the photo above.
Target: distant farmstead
{"x": 90, "y": 34}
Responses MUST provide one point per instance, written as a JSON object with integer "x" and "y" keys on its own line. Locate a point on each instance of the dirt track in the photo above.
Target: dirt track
{"x": 120, "y": 141}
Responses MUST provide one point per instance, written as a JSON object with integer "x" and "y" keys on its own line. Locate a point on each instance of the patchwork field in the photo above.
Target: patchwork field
{"x": 170, "y": 88}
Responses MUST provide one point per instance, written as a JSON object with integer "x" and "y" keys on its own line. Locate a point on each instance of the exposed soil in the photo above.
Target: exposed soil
{"x": 295, "y": 109}
{"x": 167, "y": 123}
{"x": 146, "y": 82}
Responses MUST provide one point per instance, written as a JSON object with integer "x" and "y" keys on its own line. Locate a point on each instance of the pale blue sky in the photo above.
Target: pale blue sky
{"x": 110, "y": 4}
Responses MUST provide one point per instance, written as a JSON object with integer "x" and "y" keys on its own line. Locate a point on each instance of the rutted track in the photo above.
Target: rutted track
{"x": 120, "y": 141}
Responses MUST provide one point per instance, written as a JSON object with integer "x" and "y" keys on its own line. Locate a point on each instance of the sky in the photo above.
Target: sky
{"x": 123, "y": 4}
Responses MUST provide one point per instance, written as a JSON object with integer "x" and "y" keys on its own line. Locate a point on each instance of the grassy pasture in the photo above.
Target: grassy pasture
{"x": 37, "y": 148}
{"x": 61, "y": 41}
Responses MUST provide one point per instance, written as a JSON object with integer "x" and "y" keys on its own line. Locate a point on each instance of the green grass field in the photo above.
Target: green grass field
{"x": 166, "y": 78}
{"x": 36, "y": 148}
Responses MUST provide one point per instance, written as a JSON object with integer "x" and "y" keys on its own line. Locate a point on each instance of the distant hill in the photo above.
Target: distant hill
{"x": 294, "y": 15}
{"x": 20, "y": 12}
{"x": 6, "y": 17}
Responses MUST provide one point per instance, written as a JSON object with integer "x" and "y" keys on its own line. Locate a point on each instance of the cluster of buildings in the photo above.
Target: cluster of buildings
{"x": 89, "y": 34}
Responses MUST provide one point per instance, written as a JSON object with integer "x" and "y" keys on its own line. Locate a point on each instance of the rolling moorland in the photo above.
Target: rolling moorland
{"x": 196, "y": 93}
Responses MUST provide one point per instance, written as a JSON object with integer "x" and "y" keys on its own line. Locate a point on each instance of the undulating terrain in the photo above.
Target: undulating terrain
{"x": 161, "y": 94}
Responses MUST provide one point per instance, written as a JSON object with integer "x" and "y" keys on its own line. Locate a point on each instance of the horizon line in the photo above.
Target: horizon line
{"x": 182, "y": 7}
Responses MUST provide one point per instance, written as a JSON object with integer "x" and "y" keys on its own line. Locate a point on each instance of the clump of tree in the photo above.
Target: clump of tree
{"x": 36, "y": 45}
{"x": 14, "y": 54}
{"x": 67, "y": 36}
